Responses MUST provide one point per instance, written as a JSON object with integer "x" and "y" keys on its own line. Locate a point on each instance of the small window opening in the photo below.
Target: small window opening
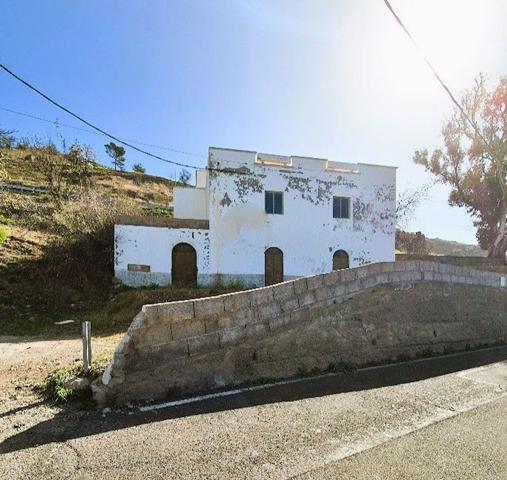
{"x": 341, "y": 207}
{"x": 274, "y": 202}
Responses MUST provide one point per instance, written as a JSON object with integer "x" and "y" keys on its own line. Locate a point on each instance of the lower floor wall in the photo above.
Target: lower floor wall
{"x": 145, "y": 279}
{"x": 358, "y": 316}
{"x": 147, "y": 255}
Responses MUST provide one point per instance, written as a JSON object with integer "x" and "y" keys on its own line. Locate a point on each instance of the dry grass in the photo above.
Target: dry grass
{"x": 56, "y": 263}
{"x": 18, "y": 167}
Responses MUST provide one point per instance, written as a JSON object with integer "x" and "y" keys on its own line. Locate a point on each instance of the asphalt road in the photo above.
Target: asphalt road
{"x": 436, "y": 419}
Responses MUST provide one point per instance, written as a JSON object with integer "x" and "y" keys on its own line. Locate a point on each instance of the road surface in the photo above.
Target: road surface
{"x": 434, "y": 419}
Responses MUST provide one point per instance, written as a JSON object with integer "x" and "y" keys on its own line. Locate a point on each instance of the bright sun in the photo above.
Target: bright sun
{"x": 451, "y": 33}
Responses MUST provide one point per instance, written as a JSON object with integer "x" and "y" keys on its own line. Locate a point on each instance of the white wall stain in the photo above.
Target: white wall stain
{"x": 240, "y": 230}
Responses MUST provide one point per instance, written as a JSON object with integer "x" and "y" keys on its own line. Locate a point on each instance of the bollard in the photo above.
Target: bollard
{"x": 87, "y": 346}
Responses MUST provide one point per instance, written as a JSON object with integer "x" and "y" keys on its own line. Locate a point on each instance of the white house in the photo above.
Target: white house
{"x": 256, "y": 219}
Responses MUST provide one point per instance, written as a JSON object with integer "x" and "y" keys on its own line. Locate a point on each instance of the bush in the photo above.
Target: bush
{"x": 138, "y": 168}
{"x": 55, "y": 386}
{"x": 5, "y": 220}
{"x": 3, "y": 235}
{"x": 70, "y": 383}
{"x": 90, "y": 214}
{"x": 32, "y": 212}
{"x": 83, "y": 255}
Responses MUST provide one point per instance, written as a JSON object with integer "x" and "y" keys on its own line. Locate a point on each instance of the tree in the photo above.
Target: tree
{"x": 7, "y": 138}
{"x": 407, "y": 202}
{"x": 473, "y": 162}
{"x": 411, "y": 243}
{"x": 64, "y": 173}
{"x": 138, "y": 168}
{"x": 184, "y": 177}
{"x": 117, "y": 153}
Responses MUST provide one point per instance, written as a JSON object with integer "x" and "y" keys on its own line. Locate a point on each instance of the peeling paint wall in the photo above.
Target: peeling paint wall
{"x": 153, "y": 246}
{"x": 307, "y": 233}
{"x": 230, "y": 195}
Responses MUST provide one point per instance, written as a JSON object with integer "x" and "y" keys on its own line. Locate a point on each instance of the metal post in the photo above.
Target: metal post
{"x": 87, "y": 345}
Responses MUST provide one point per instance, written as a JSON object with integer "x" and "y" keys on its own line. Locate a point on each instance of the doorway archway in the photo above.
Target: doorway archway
{"x": 340, "y": 260}
{"x": 184, "y": 265}
{"x": 273, "y": 266}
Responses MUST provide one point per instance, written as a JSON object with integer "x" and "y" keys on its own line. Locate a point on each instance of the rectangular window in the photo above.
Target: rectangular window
{"x": 274, "y": 202}
{"x": 341, "y": 207}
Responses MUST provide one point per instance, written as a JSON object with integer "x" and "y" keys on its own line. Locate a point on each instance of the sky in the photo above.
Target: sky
{"x": 335, "y": 79}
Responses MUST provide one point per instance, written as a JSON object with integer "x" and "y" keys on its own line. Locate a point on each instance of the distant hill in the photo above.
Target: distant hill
{"x": 437, "y": 246}
{"x": 417, "y": 243}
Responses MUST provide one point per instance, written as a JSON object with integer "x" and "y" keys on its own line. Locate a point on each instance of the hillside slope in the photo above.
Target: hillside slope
{"x": 437, "y": 246}
{"x": 47, "y": 274}
{"x": 19, "y": 166}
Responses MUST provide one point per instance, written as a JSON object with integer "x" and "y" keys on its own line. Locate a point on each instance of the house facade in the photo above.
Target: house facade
{"x": 257, "y": 219}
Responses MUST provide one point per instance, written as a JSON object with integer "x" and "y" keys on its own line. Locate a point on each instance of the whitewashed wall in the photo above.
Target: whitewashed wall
{"x": 190, "y": 202}
{"x": 240, "y": 231}
{"x": 307, "y": 233}
{"x": 153, "y": 246}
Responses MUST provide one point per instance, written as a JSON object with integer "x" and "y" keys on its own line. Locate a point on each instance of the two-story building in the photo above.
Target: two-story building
{"x": 257, "y": 219}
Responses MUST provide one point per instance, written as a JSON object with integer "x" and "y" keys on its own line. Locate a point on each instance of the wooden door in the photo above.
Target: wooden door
{"x": 340, "y": 260}
{"x": 184, "y": 265}
{"x": 273, "y": 266}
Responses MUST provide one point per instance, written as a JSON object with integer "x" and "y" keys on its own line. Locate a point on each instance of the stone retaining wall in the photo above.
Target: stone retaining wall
{"x": 367, "y": 314}
{"x": 475, "y": 262}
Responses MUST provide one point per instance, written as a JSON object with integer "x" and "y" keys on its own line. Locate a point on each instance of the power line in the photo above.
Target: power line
{"x": 435, "y": 73}
{"x": 81, "y": 119}
{"x": 66, "y": 125}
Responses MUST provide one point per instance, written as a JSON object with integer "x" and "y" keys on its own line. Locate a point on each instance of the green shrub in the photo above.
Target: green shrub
{"x": 3, "y": 235}
{"x": 5, "y": 221}
{"x": 55, "y": 386}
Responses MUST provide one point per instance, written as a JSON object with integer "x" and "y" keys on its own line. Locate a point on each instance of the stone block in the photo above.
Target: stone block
{"x": 269, "y": 310}
{"x": 236, "y": 301}
{"x": 388, "y": 267}
{"x": 206, "y": 307}
{"x": 155, "y": 335}
{"x": 168, "y": 312}
{"x": 324, "y": 293}
{"x": 368, "y": 282}
{"x": 242, "y": 317}
{"x": 307, "y": 298}
{"x": 354, "y": 286}
{"x": 300, "y": 285}
{"x": 332, "y": 278}
{"x": 204, "y": 343}
{"x": 187, "y": 328}
{"x": 315, "y": 281}
{"x": 211, "y": 323}
{"x": 349, "y": 275}
{"x": 261, "y": 296}
{"x": 257, "y": 329}
{"x": 340, "y": 290}
{"x": 283, "y": 290}
{"x": 232, "y": 335}
{"x": 280, "y": 321}
{"x": 289, "y": 304}
{"x": 303, "y": 315}
{"x": 177, "y": 348}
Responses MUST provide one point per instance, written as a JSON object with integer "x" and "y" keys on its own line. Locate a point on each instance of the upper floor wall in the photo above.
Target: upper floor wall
{"x": 192, "y": 202}
{"x": 305, "y": 227}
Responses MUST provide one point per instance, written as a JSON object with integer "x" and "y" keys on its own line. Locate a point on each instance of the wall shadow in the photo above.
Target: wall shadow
{"x": 71, "y": 423}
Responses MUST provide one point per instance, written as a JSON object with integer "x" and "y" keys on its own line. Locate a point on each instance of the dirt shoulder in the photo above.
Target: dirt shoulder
{"x": 26, "y": 361}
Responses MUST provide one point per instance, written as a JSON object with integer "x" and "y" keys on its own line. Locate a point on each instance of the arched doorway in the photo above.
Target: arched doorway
{"x": 340, "y": 260}
{"x": 184, "y": 265}
{"x": 273, "y": 266}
